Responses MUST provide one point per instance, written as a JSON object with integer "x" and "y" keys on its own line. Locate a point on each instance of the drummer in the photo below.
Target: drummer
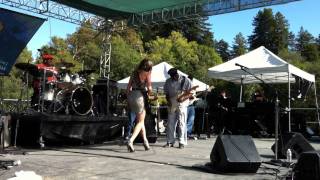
{"x": 51, "y": 76}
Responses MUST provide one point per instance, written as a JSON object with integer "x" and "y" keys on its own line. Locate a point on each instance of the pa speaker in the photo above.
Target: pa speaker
{"x": 235, "y": 153}
{"x": 294, "y": 141}
{"x": 308, "y": 166}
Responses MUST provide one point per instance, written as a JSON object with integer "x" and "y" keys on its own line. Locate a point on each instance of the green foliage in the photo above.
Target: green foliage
{"x": 188, "y": 57}
{"x": 12, "y": 84}
{"x": 124, "y": 58}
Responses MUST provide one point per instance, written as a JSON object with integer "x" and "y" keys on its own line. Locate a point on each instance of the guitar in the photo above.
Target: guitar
{"x": 186, "y": 95}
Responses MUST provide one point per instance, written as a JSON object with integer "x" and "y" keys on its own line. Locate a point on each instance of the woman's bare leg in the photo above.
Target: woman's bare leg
{"x": 139, "y": 126}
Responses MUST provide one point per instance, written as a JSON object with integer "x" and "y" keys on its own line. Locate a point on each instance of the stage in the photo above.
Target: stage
{"x": 110, "y": 160}
{"x": 59, "y": 129}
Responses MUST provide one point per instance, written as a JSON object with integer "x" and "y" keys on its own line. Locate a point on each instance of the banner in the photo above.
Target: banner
{"x": 16, "y": 30}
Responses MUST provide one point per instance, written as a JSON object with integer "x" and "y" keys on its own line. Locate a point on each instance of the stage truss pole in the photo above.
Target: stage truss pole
{"x": 105, "y": 58}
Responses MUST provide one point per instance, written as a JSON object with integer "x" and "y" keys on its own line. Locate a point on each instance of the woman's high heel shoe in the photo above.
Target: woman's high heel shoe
{"x": 130, "y": 146}
{"x": 146, "y": 145}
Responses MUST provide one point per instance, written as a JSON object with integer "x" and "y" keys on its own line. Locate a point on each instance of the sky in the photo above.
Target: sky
{"x": 304, "y": 13}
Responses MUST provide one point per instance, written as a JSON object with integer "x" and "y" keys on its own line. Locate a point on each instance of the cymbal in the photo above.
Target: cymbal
{"x": 26, "y": 66}
{"x": 86, "y": 72}
{"x": 64, "y": 65}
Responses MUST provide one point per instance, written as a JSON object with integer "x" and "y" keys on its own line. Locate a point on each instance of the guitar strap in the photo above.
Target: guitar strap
{"x": 182, "y": 82}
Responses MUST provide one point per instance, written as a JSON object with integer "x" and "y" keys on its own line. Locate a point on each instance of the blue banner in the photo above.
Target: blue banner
{"x": 16, "y": 30}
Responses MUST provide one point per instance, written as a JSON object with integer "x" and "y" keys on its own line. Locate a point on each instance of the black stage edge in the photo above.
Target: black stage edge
{"x": 65, "y": 129}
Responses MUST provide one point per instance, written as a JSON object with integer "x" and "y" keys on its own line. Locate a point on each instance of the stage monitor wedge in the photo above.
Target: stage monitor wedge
{"x": 16, "y": 30}
{"x": 235, "y": 154}
{"x": 294, "y": 141}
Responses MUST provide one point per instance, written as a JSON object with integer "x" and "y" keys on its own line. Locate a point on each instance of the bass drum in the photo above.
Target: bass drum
{"x": 79, "y": 99}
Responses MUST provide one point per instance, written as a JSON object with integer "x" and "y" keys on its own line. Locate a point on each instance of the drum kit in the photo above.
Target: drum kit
{"x": 67, "y": 94}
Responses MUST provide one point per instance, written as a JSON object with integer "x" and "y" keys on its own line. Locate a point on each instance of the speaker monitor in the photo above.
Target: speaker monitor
{"x": 235, "y": 153}
{"x": 294, "y": 141}
{"x": 308, "y": 166}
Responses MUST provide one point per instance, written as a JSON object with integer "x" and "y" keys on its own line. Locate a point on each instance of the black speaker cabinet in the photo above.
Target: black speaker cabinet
{"x": 295, "y": 141}
{"x": 308, "y": 166}
{"x": 235, "y": 154}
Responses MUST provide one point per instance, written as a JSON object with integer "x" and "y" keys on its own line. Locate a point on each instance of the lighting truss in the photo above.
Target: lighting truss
{"x": 198, "y": 9}
{"x": 55, "y": 10}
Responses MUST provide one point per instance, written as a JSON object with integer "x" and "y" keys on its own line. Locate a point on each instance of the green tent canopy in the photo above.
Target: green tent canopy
{"x": 123, "y": 8}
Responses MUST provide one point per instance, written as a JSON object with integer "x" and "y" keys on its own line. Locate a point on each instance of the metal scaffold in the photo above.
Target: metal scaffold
{"x": 196, "y": 9}
{"x": 54, "y": 10}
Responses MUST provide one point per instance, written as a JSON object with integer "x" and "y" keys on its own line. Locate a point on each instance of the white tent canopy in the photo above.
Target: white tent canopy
{"x": 159, "y": 75}
{"x": 263, "y": 64}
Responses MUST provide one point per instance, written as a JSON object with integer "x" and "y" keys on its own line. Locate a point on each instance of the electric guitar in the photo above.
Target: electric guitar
{"x": 186, "y": 95}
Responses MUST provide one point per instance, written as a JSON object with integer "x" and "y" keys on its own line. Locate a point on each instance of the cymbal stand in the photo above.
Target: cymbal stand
{"x": 42, "y": 90}
{"x": 19, "y": 107}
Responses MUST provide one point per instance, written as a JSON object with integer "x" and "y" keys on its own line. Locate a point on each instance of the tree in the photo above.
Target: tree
{"x": 303, "y": 38}
{"x": 194, "y": 30}
{"x": 222, "y": 48}
{"x": 124, "y": 58}
{"x": 281, "y": 33}
{"x": 318, "y": 42}
{"x": 189, "y": 57}
{"x": 239, "y": 46}
{"x": 310, "y": 52}
{"x": 85, "y": 46}
{"x": 264, "y": 28}
{"x": 58, "y": 47}
{"x": 291, "y": 41}
{"x": 12, "y": 84}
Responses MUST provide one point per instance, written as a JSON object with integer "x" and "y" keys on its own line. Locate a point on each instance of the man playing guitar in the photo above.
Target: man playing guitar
{"x": 178, "y": 91}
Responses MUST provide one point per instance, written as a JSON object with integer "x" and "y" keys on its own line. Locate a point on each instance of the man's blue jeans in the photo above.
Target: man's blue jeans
{"x": 131, "y": 123}
{"x": 190, "y": 119}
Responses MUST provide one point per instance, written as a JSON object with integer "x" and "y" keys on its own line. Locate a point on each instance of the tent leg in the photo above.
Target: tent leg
{"x": 241, "y": 90}
{"x": 289, "y": 102}
{"x": 316, "y": 101}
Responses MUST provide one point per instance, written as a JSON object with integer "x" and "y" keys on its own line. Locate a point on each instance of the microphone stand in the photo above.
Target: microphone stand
{"x": 277, "y": 108}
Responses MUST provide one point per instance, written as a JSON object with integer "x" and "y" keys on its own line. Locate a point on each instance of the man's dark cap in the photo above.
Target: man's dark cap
{"x": 173, "y": 71}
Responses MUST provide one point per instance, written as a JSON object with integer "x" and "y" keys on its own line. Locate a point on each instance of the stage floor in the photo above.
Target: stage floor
{"x": 111, "y": 160}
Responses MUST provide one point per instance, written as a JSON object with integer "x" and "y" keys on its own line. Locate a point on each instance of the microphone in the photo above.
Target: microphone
{"x": 241, "y": 66}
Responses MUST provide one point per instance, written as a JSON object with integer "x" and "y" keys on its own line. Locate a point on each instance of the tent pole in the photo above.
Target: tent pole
{"x": 289, "y": 102}
{"x": 316, "y": 101}
{"x": 241, "y": 89}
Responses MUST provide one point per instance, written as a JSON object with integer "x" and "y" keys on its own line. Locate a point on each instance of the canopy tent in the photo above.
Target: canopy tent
{"x": 160, "y": 74}
{"x": 123, "y": 8}
{"x": 261, "y": 64}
